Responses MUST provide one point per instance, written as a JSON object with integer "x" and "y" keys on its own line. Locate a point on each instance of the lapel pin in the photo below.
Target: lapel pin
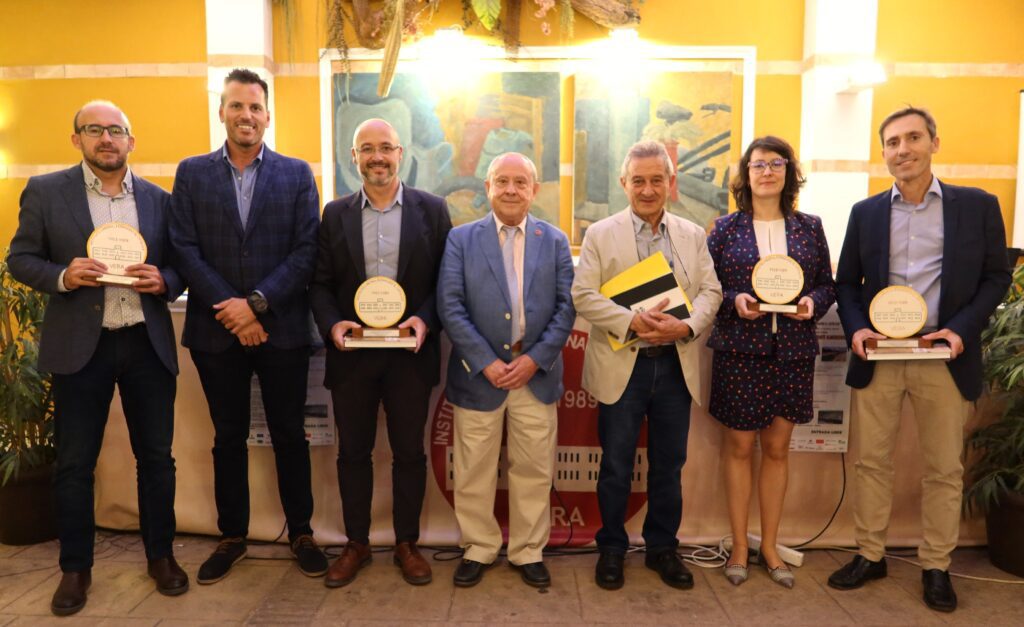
{"x": 537, "y": 232}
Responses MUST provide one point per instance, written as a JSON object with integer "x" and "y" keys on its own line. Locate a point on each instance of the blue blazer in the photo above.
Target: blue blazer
{"x": 975, "y": 274}
{"x": 733, "y": 247}
{"x": 53, "y": 228}
{"x": 474, "y": 305}
{"x": 274, "y": 253}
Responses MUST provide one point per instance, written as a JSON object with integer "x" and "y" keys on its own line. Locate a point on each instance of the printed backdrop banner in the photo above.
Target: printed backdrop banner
{"x": 816, "y": 478}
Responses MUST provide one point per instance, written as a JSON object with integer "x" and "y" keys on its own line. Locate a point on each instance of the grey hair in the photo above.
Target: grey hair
{"x": 647, "y": 148}
{"x": 497, "y": 160}
{"x": 101, "y": 103}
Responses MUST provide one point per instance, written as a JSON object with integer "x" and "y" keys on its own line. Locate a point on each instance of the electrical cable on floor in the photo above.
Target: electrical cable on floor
{"x": 842, "y": 495}
{"x": 706, "y": 556}
{"x": 269, "y": 558}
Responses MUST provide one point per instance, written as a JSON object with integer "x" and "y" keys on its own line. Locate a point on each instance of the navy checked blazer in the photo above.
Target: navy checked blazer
{"x": 274, "y": 253}
{"x": 733, "y": 247}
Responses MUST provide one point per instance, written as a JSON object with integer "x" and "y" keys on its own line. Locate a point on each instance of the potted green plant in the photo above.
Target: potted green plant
{"x": 27, "y": 450}
{"x": 995, "y": 484}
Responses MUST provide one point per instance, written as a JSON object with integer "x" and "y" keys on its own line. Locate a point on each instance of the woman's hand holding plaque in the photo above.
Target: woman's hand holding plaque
{"x": 778, "y": 281}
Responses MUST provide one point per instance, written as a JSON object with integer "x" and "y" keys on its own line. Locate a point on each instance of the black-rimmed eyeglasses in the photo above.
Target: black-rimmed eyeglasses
{"x": 116, "y": 131}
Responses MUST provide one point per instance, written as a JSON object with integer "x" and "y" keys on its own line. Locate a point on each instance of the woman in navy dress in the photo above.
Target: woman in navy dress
{"x": 762, "y": 374}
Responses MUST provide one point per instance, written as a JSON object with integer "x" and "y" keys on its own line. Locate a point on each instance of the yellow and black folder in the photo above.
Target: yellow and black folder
{"x": 643, "y": 286}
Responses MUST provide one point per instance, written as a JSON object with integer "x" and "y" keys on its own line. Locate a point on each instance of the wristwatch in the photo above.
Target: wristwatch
{"x": 257, "y": 302}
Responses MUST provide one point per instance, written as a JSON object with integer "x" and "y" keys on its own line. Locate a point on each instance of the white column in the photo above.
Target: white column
{"x": 239, "y": 33}
{"x": 836, "y": 138}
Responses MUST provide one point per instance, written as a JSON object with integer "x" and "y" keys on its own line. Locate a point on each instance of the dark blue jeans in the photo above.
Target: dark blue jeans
{"x": 81, "y": 404}
{"x": 657, "y": 390}
{"x": 227, "y": 383}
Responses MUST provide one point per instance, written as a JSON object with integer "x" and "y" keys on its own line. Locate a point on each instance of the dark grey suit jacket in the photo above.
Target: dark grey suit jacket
{"x": 53, "y": 226}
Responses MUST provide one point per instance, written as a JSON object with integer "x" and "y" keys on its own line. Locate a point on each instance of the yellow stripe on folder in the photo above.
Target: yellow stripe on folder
{"x": 644, "y": 282}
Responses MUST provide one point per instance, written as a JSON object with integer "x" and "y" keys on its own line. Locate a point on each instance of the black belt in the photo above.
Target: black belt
{"x": 656, "y": 351}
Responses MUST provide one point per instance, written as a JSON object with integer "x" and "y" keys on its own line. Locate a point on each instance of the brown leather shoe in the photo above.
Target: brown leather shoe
{"x": 170, "y": 579}
{"x": 343, "y": 571}
{"x": 415, "y": 569}
{"x": 70, "y": 595}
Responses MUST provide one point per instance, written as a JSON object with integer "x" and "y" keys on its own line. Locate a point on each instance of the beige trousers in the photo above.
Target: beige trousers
{"x": 532, "y": 426}
{"x": 940, "y": 412}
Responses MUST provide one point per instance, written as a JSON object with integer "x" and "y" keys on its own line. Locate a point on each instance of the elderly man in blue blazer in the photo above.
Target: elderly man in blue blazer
{"x": 947, "y": 243}
{"x": 95, "y": 337}
{"x": 503, "y": 296}
{"x": 243, "y": 225}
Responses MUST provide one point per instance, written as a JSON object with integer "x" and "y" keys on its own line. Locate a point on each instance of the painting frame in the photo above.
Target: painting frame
{"x": 568, "y": 61}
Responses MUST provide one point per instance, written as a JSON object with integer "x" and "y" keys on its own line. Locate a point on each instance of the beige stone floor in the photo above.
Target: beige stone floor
{"x": 273, "y": 592}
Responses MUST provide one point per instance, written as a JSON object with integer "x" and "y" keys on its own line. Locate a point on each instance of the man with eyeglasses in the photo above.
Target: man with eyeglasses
{"x": 390, "y": 230}
{"x": 96, "y": 337}
{"x": 657, "y": 377}
{"x": 948, "y": 243}
{"x": 243, "y": 226}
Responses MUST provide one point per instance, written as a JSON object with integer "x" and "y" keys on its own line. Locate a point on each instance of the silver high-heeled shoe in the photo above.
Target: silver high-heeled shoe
{"x": 736, "y": 573}
{"x": 781, "y": 575}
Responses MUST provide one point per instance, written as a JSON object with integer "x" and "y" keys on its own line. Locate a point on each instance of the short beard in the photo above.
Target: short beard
{"x": 381, "y": 180}
{"x": 117, "y": 165}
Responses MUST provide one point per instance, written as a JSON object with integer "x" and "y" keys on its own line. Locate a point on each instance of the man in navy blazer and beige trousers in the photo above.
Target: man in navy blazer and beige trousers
{"x": 94, "y": 337}
{"x": 503, "y": 296}
{"x": 243, "y": 225}
{"x": 947, "y": 243}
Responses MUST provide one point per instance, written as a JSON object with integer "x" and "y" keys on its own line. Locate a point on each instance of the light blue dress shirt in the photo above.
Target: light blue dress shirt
{"x": 244, "y": 182}
{"x": 382, "y": 230}
{"x": 915, "y": 247}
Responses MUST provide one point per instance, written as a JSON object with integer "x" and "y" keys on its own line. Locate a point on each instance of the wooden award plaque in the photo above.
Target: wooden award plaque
{"x": 117, "y": 245}
{"x": 380, "y": 304}
{"x": 899, "y": 312}
{"x": 778, "y": 281}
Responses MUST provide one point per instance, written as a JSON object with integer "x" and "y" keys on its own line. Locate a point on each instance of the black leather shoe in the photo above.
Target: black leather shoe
{"x": 469, "y": 573}
{"x": 859, "y": 571}
{"x": 671, "y": 568}
{"x": 70, "y": 595}
{"x": 534, "y": 574}
{"x": 216, "y": 567}
{"x": 938, "y": 590}
{"x": 608, "y": 572}
{"x": 170, "y": 579}
{"x": 312, "y": 561}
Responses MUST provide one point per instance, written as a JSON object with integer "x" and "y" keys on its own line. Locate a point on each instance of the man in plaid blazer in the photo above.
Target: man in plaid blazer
{"x": 243, "y": 226}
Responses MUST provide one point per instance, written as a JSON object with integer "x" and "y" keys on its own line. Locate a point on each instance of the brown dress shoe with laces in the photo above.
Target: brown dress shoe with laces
{"x": 170, "y": 579}
{"x": 415, "y": 569}
{"x": 343, "y": 571}
{"x": 70, "y": 594}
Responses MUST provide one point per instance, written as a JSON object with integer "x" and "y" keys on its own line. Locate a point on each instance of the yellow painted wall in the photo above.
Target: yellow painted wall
{"x": 951, "y": 31}
{"x": 168, "y": 117}
{"x": 55, "y": 32}
{"x": 977, "y": 116}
